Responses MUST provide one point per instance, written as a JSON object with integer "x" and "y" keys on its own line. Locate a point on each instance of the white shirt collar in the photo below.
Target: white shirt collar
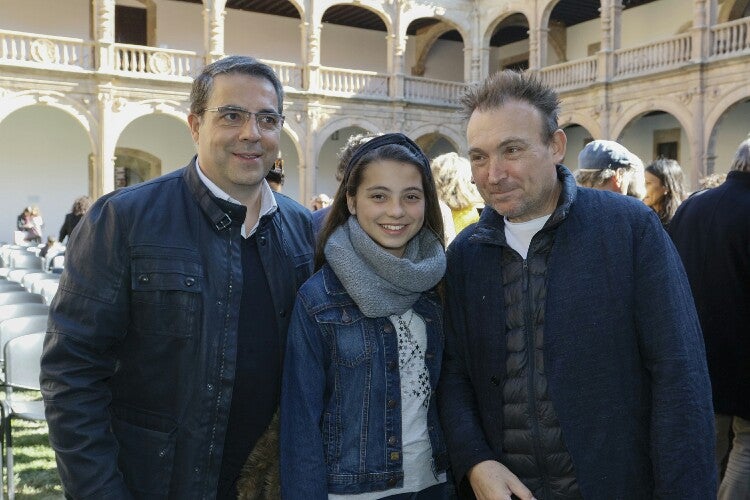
{"x": 268, "y": 203}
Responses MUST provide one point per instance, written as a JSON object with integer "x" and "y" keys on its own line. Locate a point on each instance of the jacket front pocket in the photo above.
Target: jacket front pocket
{"x": 145, "y": 458}
{"x": 166, "y": 296}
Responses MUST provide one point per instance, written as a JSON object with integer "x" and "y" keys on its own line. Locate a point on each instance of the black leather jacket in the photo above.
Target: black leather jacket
{"x": 139, "y": 359}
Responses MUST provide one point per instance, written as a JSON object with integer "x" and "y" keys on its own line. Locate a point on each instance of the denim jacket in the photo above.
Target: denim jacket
{"x": 139, "y": 361}
{"x": 340, "y": 403}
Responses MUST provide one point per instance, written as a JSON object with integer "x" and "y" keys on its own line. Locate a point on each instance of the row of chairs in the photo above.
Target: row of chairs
{"x": 25, "y": 293}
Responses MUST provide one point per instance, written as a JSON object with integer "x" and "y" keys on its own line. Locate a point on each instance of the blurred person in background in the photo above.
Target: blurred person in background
{"x": 456, "y": 188}
{"x": 664, "y": 189}
{"x": 711, "y": 231}
{"x": 80, "y": 207}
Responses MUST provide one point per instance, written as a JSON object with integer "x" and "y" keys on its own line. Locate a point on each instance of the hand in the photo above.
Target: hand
{"x": 491, "y": 480}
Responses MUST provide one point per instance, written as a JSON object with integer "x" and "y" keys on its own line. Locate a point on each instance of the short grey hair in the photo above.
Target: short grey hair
{"x": 741, "y": 162}
{"x": 245, "y": 65}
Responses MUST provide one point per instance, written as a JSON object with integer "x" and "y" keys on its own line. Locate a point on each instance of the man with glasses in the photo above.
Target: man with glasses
{"x": 162, "y": 361}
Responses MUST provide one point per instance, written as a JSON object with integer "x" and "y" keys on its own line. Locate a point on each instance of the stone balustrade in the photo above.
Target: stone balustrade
{"x": 158, "y": 62}
{"x": 44, "y": 50}
{"x": 572, "y": 74}
{"x": 428, "y": 91}
{"x": 656, "y": 56}
{"x": 351, "y": 83}
{"x": 732, "y": 38}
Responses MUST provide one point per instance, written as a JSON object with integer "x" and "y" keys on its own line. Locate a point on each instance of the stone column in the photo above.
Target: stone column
{"x": 313, "y": 58}
{"x": 396, "y": 50}
{"x": 538, "y": 48}
{"x": 104, "y": 164}
{"x": 704, "y": 16}
{"x": 213, "y": 29}
{"x": 611, "y": 18}
{"x": 104, "y": 33}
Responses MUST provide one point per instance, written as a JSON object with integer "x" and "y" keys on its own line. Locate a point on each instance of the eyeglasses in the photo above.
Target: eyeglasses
{"x": 230, "y": 116}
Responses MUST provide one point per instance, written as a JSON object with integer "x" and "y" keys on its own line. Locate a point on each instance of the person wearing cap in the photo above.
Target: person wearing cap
{"x": 574, "y": 365}
{"x": 358, "y": 411}
{"x": 609, "y": 165}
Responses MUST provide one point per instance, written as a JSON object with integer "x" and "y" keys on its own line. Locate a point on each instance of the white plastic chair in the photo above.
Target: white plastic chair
{"x": 36, "y": 287}
{"x": 22, "y": 367}
{"x": 21, "y": 297}
{"x": 29, "y": 278}
{"x": 15, "y": 327}
{"x": 18, "y": 310}
{"x": 10, "y": 286}
{"x": 49, "y": 290}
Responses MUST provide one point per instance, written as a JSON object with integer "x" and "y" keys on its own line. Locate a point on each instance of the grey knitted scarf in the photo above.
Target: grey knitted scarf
{"x": 380, "y": 283}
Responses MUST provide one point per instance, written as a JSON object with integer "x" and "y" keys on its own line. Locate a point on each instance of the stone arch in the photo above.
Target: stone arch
{"x": 732, "y": 9}
{"x": 462, "y": 26}
{"x": 430, "y": 37}
{"x": 337, "y": 124}
{"x": 373, "y": 6}
{"x": 629, "y": 115}
{"x": 453, "y": 136}
{"x": 127, "y": 112}
{"x": 13, "y": 102}
{"x": 507, "y": 12}
{"x": 576, "y": 142}
{"x": 294, "y": 135}
{"x": 583, "y": 120}
{"x": 719, "y": 112}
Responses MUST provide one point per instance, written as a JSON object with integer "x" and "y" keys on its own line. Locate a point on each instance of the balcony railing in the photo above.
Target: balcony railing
{"x": 155, "y": 61}
{"x": 45, "y": 50}
{"x": 571, "y": 74}
{"x": 290, "y": 74}
{"x": 732, "y": 38}
{"x": 350, "y": 83}
{"x": 428, "y": 91}
{"x": 655, "y": 56}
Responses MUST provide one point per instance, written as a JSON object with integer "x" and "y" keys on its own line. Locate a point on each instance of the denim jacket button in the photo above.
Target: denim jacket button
{"x": 392, "y": 482}
{"x": 388, "y": 329}
{"x": 391, "y": 365}
{"x": 495, "y": 380}
{"x": 392, "y": 403}
{"x": 143, "y": 278}
{"x": 282, "y": 313}
{"x": 262, "y": 240}
{"x": 190, "y": 281}
{"x": 392, "y": 440}
{"x": 162, "y": 453}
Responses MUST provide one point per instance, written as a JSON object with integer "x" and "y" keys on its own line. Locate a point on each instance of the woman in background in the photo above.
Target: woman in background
{"x": 454, "y": 185}
{"x": 664, "y": 190}
{"x": 358, "y": 413}
{"x": 80, "y": 207}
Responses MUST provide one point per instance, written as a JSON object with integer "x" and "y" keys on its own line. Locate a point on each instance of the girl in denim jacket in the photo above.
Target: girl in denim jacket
{"x": 358, "y": 413}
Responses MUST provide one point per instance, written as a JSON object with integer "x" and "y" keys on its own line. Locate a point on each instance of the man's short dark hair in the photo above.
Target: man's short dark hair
{"x": 203, "y": 83}
{"x": 508, "y": 85}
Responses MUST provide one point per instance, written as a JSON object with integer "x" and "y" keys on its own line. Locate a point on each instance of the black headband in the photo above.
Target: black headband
{"x": 395, "y": 138}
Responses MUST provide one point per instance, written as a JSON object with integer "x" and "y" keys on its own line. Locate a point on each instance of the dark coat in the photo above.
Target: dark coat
{"x": 623, "y": 351}
{"x": 711, "y": 230}
{"x": 139, "y": 361}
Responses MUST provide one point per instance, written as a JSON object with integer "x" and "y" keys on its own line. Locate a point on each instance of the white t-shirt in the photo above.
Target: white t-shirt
{"x": 519, "y": 234}
{"x": 415, "y": 399}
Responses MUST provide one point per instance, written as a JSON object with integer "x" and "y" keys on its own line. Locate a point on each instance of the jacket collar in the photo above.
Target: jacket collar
{"x": 221, "y": 213}
{"x": 491, "y": 226}
{"x": 739, "y": 177}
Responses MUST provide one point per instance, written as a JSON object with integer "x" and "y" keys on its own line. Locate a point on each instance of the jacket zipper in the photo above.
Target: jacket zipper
{"x": 531, "y": 355}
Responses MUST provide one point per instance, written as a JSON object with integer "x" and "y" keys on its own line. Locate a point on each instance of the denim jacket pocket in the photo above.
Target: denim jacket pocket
{"x": 347, "y": 330}
{"x": 166, "y": 295}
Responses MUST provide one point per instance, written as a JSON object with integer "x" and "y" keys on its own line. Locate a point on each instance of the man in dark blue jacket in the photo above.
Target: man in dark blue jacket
{"x": 574, "y": 365}
{"x": 711, "y": 231}
{"x": 162, "y": 362}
